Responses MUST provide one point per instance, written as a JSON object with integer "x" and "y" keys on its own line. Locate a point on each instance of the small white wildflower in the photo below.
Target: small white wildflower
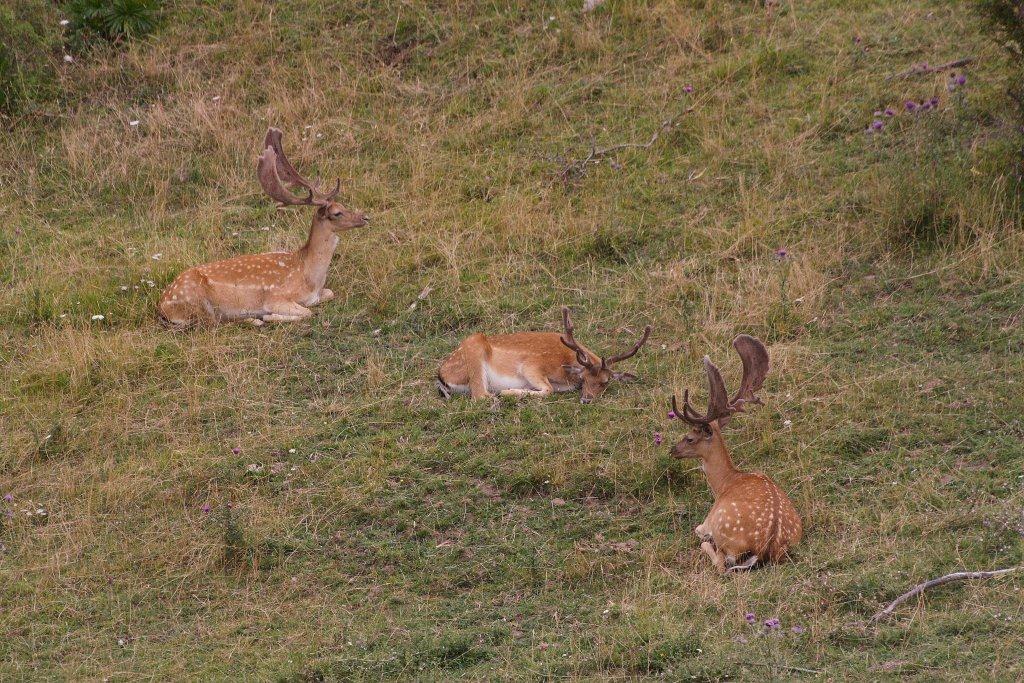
{"x": 266, "y": 228}
{"x": 150, "y": 283}
{"x": 97, "y": 317}
{"x": 157, "y": 256}
{"x": 787, "y": 423}
{"x": 124, "y": 288}
{"x": 291, "y": 450}
{"x": 254, "y": 467}
{"x": 216, "y": 98}
{"x": 133, "y": 123}
{"x": 68, "y": 59}
{"x": 64, "y": 22}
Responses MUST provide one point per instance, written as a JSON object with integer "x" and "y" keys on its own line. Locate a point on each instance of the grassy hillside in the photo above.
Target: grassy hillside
{"x": 295, "y": 502}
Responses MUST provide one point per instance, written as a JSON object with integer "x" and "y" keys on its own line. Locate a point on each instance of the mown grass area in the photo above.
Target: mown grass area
{"x": 360, "y": 528}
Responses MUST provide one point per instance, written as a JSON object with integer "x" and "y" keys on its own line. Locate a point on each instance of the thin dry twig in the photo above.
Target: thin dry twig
{"x": 955, "y": 576}
{"x": 784, "y": 667}
{"x": 578, "y": 168}
{"x": 922, "y": 69}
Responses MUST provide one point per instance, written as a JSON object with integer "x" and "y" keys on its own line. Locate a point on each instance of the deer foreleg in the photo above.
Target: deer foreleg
{"x": 541, "y": 385}
{"x": 745, "y": 565}
{"x": 286, "y": 312}
{"x": 716, "y": 555}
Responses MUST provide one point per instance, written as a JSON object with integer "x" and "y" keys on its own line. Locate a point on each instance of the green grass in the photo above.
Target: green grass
{"x": 377, "y": 532}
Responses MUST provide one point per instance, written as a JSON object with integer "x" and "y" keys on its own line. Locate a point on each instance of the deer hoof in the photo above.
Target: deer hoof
{"x": 255, "y": 322}
{"x": 744, "y": 566}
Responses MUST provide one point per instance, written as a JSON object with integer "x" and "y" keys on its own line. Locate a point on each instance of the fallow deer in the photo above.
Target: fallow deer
{"x": 752, "y": 520}
{"x": 530, "y": 364}
{"x": 271, "y": 287}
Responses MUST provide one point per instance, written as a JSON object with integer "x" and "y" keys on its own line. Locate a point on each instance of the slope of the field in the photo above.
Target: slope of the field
{"x": 296, "y": 502}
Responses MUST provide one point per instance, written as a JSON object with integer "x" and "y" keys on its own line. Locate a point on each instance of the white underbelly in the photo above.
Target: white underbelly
{"x": 497, "y": 382}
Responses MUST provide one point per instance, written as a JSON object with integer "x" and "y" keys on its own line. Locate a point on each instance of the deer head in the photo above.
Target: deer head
{"x": 595, "y": 373}
{"x": 274, "y": 171}
{"x": 705, "y": 432}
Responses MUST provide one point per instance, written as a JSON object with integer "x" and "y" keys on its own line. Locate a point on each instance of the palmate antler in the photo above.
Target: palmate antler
{"x": 274, "y": 170}
{"x": 581, "y": 356}
{"x": 720, "y": 407}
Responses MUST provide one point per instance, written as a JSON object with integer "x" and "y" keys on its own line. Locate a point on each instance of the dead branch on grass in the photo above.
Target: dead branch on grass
{"x": 948, "y": 578}
{"x": 576, "y": 169}
{"x": 922, "y": 69}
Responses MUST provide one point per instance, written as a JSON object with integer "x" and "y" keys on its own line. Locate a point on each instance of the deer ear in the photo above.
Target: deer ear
{"x": 724, "y": 420}
{"x": 573, "y": 370}
{"x": 625, "y": 377}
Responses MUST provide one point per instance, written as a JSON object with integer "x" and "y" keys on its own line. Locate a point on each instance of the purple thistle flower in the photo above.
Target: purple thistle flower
{"x": 9, "y": 497}
{"x": 236, "y": 450}
{"x": 910, "y": 105}
{"x": 687, "y": 88}
{"x": 798, "y": 630}
{"x": 672, "y": 415}
{"x": 889, "y": 111}
{"x": 772, "y": 623}
{"x": 206, "y": 508}
{"x": 934, "y": 102}
{"x": 877, "y": 125}
{"x": 961, "y": 79}
{"x": 657, "y": 438}
{"x": 856, "y": 40}
{"x": 750, "y": 617}
{"x": 781, "y": 253}
{"x": 877, "y": 114}
{"x": 925, "y": 106}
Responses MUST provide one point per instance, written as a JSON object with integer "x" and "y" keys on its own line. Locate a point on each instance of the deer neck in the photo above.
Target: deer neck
{"x": 718, "y": 467}
{"x": 317, "y": 252}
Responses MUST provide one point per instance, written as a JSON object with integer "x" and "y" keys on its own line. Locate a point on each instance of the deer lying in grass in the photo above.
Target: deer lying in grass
{"x": 272, "y": 287}
{"x": 530, "y": 364}
{"x": 752, "y": 520}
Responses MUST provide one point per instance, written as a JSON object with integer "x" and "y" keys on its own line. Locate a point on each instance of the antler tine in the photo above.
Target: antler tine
{"x": 270, "y": 180}
{"x": 755, "y": 367}
{"x": 288, "y": 174}
{"x": 329, "y": 197}
{"x": 688, "y": 414}
{"x": 570, "y": 341}
{"x": 632, "y": 351}
{"x": 718, "y": 398}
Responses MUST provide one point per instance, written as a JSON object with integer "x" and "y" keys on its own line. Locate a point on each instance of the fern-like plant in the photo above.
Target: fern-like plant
{"x": 111, "y": 20}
